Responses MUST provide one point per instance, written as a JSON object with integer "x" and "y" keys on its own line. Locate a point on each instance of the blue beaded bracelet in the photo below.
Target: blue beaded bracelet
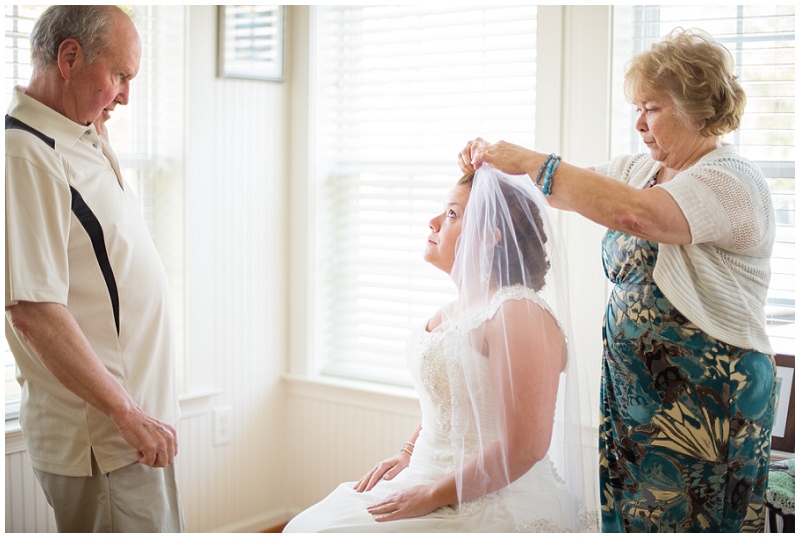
{"x": 552, "y": 163}
{"x": 538, "y": 180}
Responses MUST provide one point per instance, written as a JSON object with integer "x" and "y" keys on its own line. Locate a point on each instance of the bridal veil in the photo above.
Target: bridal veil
{"x": 513, "y": 317}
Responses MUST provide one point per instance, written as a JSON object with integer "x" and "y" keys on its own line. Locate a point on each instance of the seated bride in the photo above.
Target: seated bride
{"x": 498, "y": 448}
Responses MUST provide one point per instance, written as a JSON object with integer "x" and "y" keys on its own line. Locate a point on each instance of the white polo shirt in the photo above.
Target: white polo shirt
{"x": 75, "y": 236}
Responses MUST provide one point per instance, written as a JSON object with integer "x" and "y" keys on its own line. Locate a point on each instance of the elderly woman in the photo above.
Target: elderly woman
{"x": 687, "y": 394}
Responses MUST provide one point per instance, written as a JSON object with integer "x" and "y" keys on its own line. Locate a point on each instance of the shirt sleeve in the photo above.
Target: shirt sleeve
{"x": 38, "y": 212}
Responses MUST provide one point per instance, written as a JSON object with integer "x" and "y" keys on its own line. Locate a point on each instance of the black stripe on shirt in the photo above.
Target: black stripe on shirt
{"x": 14, "y": 123}
{"x": 92, "y": 226}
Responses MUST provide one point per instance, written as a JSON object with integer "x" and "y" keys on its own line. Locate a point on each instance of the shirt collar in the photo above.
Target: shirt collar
{"x": 44, "y": 119}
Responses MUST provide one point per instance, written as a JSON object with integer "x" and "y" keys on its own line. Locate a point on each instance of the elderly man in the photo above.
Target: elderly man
{"x": 87, "y": 308}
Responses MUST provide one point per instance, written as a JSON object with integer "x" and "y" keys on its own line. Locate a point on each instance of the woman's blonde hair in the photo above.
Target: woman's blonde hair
{"x": 698, "y": 74}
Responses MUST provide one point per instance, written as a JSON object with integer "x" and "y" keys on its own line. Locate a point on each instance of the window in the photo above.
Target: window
{"x": 762, "y": 41}
{"x": 147, "y": 136}
{"x": 251, "y": 41}
{"x": 399, "y": 90}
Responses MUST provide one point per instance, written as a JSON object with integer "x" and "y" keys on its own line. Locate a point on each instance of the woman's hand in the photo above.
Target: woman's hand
{"x": 506, "y": 157}
{"x": 387, "y": 469}
{"x": 465, "y": 157}
{"x": 412, "y": 502}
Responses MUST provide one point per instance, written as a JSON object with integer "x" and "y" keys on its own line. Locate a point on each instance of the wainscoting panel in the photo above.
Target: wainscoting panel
{"x": 26, "y": 508}
{"x": 337, "y": 434}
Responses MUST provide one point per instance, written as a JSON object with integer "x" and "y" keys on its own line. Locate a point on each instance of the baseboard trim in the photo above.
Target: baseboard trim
{"x": 271, "y": 521}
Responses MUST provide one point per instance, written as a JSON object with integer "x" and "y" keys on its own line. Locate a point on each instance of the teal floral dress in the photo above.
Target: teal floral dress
{"x": 686, "y": 419}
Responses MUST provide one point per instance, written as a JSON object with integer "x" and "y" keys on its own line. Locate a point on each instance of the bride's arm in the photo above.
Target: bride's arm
{"x": 527, "y": 354}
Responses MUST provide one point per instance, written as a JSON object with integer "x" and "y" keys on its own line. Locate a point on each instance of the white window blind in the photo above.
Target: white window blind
{"x": 147, "y": 136}
{"x": 762, "y": 42}
{"x": 399, "y": 91}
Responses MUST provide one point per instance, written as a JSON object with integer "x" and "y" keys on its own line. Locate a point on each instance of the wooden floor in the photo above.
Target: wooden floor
{"x": 279, "y": 528}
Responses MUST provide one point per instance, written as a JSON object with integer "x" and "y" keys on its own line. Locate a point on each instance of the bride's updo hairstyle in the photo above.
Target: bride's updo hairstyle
{"x": 527, "y": 262}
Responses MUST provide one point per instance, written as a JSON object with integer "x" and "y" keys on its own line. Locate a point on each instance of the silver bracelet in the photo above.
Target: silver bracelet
{"x": 407, "y": 451}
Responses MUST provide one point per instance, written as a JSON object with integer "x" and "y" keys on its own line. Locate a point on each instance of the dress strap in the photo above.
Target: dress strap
{"x": 507, "y": 293}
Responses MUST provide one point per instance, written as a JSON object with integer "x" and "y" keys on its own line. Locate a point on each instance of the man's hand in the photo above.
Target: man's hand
{"x": 156, "y": 443}
{"x": 54, "y": 335}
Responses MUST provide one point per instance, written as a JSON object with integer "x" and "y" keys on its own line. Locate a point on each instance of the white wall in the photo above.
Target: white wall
{"x": 236, "y": 243}
{"x": 293, "y": 440}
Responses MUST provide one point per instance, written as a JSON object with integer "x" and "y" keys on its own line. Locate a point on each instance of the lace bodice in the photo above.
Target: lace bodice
{"x": 433, "y": 356}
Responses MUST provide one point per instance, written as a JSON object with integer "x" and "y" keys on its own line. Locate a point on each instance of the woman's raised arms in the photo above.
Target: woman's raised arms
{"x": 651, "y": 214}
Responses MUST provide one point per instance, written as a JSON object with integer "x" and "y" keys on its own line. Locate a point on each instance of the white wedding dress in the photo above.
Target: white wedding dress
{"x": 536, "y": 502}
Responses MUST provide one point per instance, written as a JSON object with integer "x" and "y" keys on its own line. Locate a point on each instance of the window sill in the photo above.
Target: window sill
{"x": 376, "y": 396}
{"x": 14, "y": 441}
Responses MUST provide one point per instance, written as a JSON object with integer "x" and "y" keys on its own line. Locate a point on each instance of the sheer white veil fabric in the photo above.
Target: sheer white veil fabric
{"x": 515, "y": 386}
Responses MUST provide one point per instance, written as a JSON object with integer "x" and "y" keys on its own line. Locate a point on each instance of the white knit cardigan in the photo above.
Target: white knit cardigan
{"x": 720, "y": 280}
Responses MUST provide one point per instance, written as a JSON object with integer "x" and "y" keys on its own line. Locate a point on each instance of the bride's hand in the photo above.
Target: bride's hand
{"x": 387, "y": 469}
{"x": 412, "y": 502}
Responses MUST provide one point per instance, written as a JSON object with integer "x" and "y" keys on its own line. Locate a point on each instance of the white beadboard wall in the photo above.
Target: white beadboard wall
{"x": 26, "y": 508}
{"x": 235, "y": 245}
{"x": 338, "y": 433}
{"x": 354, "y": 429}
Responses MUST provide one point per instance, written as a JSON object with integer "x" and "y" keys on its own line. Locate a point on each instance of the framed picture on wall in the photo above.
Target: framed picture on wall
{"x": 783, "y": 430}
{"x": 251, "y": 42}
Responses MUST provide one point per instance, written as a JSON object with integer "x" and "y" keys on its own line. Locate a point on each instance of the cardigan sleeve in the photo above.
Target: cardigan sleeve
{"x": 723, "y": 203}
{"x": 625, "y": 168}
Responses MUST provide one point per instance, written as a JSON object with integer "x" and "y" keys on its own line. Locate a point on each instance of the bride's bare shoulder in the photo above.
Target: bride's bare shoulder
{"x": 526, "y": 321}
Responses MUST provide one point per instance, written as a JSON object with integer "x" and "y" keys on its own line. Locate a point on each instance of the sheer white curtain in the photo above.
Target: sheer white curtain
{"x": 398, "y": 92}
{"x": 762, "y": 41}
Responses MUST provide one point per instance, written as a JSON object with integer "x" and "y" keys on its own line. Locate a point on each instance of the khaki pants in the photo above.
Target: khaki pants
{"x": 135, "y": 498}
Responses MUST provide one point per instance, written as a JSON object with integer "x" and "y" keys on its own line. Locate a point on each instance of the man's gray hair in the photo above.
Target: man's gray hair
{"x": 87, "y": 25}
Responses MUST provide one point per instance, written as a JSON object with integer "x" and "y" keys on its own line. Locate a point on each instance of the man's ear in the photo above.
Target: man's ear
{"x": 70, "y": 55}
